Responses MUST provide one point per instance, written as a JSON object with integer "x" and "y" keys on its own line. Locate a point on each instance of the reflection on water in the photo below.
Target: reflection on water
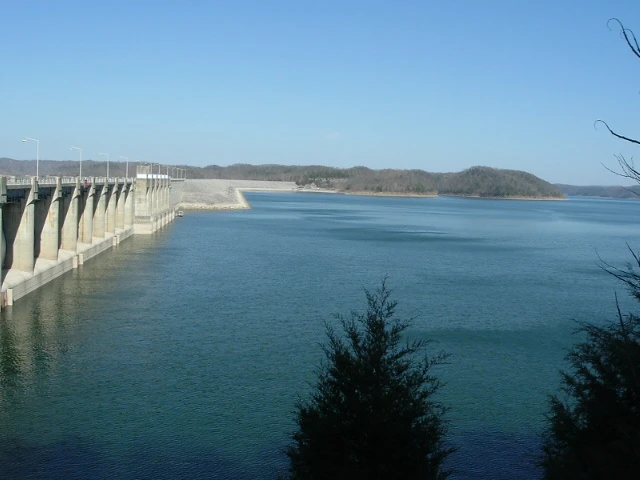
{"x": 181, "y": 354}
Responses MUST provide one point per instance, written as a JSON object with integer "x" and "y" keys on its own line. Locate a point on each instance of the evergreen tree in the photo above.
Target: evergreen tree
{"x": 594, "y": 433}
{"x": 372, "y": 414}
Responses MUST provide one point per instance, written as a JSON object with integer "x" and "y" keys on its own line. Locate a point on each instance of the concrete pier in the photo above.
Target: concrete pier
{"x": 50, "y": 225}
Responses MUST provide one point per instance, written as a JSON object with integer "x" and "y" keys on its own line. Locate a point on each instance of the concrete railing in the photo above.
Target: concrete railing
{"x": 19, "y": 181}
{"x": 47, "y": 180}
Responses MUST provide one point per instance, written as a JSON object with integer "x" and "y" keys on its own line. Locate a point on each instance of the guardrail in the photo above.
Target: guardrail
{"x": 48, "y": 180}
{"x": 21, "y": 181}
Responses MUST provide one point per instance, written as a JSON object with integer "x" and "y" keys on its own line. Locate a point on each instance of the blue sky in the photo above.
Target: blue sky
{"x": 435, "y": 85}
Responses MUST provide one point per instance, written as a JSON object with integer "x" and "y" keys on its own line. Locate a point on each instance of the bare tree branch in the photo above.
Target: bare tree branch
{"x": 626, "y": 33}
{"x": 628, "y": 276}
{"x": 627, "y": 170}
{"x": 614, "y": 133}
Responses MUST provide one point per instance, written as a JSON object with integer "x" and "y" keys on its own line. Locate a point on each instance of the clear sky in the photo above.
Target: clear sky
{"x": 435, "y": 85}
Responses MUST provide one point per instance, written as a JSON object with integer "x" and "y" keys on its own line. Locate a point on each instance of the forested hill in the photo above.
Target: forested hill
{"x": 475, "y": 181}
{"x": 600, "y": 191}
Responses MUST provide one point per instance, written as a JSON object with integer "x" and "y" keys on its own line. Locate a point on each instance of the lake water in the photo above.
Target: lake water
{"x": 181, "y": 354}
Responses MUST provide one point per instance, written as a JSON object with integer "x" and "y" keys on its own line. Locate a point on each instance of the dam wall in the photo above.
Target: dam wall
{"x": 50, "y": 225}
{"x": 222, "y": 194}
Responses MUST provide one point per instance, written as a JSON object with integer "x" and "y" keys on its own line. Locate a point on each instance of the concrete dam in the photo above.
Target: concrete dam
{"x": 50, "y": 225}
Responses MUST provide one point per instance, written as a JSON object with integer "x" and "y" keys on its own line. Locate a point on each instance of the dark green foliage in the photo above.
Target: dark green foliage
{"x": 595, "y": 432}
{"x": 372, "y": 414}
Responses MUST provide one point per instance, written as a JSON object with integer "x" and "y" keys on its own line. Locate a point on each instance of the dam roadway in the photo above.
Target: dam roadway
{"x": 50, "y": 225}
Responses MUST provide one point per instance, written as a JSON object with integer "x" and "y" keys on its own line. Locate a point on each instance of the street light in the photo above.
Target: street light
{"x": 80, "y": 150}
{"x": 106, "y": 155}
{"x": 126, "y": 175}
{"x": 137, "y": 162}
{"x": 26, "y": 139}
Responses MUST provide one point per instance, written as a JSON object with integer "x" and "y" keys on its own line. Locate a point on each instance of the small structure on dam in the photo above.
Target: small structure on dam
{"x": 50, "y": 225}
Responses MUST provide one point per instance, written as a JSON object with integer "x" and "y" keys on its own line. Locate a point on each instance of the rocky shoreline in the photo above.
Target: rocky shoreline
{"x": 226, "y": 194}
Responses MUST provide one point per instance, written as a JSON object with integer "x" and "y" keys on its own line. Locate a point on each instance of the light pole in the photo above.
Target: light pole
{"x": 79, "y": 150}
{"x": 136, "y": 163}
{"x": 26, "y": 139}
{"x": 126, "y": 175}
{"x": 106, "y": 155}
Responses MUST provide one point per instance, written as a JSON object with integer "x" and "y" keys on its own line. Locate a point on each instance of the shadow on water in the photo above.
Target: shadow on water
{"x": 78, "y": 457}
{"x": 499, "y": 456}
{"x": 495, "y": 455}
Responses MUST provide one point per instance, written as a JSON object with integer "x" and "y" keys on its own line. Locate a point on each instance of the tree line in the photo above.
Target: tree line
{"x": 475, "y": 181}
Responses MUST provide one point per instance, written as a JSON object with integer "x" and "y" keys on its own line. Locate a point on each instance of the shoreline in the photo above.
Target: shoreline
{"x": 519, "y": 198}
{"x": 365, "y": 193}
{"x": 227, "y": 196}
{"x": 243, "y": 204}
{"x": 391, "y": 194}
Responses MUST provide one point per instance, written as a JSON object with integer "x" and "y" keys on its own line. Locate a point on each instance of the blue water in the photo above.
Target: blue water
{"x": 181, "y": 354}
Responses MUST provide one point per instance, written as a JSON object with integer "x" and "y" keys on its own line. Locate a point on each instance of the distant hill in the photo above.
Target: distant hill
{"x": 492, "y": 182}
{"x": 600, "y": 191}
{"x": 475, "y": 181}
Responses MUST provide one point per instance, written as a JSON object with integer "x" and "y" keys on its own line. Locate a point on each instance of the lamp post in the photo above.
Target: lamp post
{"x": 106, "y": 155}
{"x": 80, "y": 151}
{"x": 136, "y": 163}
{"x": 26, "y": 139}
{"x": 126, "y": 175}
